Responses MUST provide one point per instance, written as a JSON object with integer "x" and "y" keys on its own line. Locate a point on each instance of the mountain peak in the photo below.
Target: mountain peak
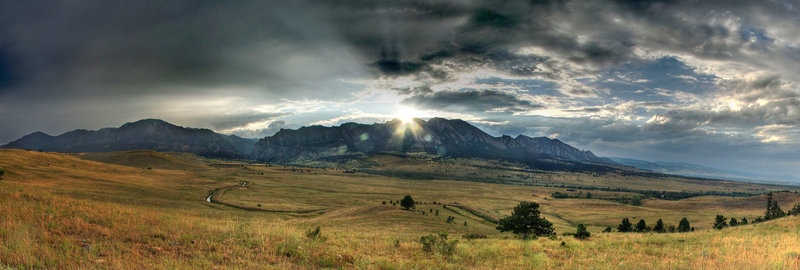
{"x": 440, "y": 136}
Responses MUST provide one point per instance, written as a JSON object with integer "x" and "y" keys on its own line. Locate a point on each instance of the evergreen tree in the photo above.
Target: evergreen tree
{"x": 526, "y": 221}
{"x": 608, "y": 229}
{"x": 720, "y": 223}
{"x": 642, "y": 226}
{"x": 773, "y": 209}
{"x": 659, "y": 228}
{"x": 671, "y": 228}
{"x": 407, "y": 202}
{"x": 794, "y": 211}
{"x": 582, "y": 233}
{"x": 744, "y": 221}
{"x": 684, "y": 225}
{"x": 733, "y": 222}
{"x": 625, "y": 226}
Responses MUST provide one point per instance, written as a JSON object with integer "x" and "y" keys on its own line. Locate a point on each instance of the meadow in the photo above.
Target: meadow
{"x": 144, "y": 209}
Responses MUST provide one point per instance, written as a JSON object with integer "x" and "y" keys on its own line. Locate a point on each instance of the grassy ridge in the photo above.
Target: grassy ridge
{"x": 61, "y": 211}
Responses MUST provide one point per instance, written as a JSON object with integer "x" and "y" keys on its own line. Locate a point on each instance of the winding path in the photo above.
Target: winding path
{"x": 211, "y": 199}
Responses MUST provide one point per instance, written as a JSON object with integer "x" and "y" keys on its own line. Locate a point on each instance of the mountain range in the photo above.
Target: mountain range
{"x": 443, "y": 137}
{"x": 454, "y": 138}
{"x": 144, "y": 134}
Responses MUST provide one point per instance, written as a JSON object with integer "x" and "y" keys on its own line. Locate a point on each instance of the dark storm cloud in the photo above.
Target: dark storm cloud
{"x": 471, "y": 101}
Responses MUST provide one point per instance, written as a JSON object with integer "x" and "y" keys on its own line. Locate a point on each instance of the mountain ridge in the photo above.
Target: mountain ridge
{"x": 437, "y": 136}
{"x": 152, "y": 134}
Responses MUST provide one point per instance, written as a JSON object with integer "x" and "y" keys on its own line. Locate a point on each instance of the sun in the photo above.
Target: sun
{"x": 407, "y": 114}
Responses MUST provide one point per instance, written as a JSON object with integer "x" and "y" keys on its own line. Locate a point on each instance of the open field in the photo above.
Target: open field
{"x": 145, "y": 209}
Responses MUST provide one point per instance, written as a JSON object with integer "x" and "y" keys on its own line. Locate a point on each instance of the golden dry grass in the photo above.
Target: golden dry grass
{"x": 62, "y": 211}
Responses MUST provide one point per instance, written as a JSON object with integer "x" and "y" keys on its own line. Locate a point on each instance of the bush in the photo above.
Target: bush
{"x": 474, "y": 236}
{"x": 2, "y": 172}
{"x": 608, "y": 229}
{"x": 432, "y": 242}
{"x": 450, "y": 219}
{"x": 582, "y": 233}
{"x": 315, "y": 234}
{"x": 526, "y": 221}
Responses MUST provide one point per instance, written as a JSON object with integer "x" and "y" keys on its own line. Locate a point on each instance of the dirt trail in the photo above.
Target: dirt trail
{"x": 221, "y": 190}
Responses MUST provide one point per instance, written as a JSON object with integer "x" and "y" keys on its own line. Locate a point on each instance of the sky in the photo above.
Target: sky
{"x": 708, "y": 82}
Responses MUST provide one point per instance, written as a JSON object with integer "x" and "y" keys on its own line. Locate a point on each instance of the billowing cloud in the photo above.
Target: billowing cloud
{"x": 666, "y": 80}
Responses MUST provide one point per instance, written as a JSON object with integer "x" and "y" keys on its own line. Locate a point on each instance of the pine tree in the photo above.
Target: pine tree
{"x": 684, "y": 225}
{"x": 625, "y": 226}
{"x": 407, "y": 202}
{"x": 659, "y": 228}
{"x": 773, "y": 209}
{"x": 582, "y": 233}
{"x": 526, "y": 221}
{"x": 720, "y": 223}
{"x": 642, "y": 226}
{"x": 744, "y": 221}
{"x": 733, "y": 222}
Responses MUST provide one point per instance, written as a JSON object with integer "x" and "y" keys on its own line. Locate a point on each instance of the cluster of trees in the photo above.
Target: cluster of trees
{"x": 559, "y": 195}
{"x": 641, "y": 226}
{"x": 721, "y": 222}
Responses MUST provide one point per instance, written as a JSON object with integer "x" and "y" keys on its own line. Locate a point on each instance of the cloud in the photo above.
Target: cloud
{"x": 472, "y": 101}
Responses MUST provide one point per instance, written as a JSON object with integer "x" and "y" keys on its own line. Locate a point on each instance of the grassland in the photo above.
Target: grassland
{"x": 147, "y": 210}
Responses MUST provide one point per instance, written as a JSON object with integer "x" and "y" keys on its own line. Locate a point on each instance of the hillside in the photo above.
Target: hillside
{"x": 145, "y": 134}
{"x": 62, "y": 211}
{"x": 438, "y": 136}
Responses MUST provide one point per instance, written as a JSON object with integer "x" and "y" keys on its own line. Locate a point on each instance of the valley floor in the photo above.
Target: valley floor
{"x": 149, "y": 210}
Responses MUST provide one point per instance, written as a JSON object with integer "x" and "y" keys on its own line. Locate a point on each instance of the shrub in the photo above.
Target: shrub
{"x": 582, "y": 233}
{"x": 744, "y": 221}
{"x": 450, "y": 219}
{"x": 2, "y": 172}
{"x": 733, "y": 222}
{"x": 432, "y": 242}
{"x": 314, "y": 234}
{"x": 608, "y": 229}
{"x": 474, "y": 236}
{"x": 526, "y": 221}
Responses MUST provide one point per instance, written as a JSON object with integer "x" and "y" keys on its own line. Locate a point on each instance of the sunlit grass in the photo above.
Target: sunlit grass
{"x": 58, "y": 211}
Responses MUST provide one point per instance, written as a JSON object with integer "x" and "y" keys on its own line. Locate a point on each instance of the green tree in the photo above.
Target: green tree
{"x": 2, "y": 172}
{"x": 744, "y": 221}
{"x": 526, "y": 220}
{"x": 684, "y": 225}
{"x": 582, "y": 233}
{"x": 607, "y": 229}
{"x": 720, "y": 222}
{"x": 733, "y": 222}
{"x": 659, "y": 228}
{"x": 794, "y": 211}
{"x": 450, "y": 219}
{"x": 642, "y": 226}
{"x": 407, "y": 202}
{"x": 625, "y": 226}
{"x": 773, "y": 209}
{"x": 437, "y": 212}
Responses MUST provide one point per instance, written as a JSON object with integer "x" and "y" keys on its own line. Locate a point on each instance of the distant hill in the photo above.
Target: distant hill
{"x": 150, "y": 134}
{"x": 454, "y": 138}
{"x": 694, "y": 170}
